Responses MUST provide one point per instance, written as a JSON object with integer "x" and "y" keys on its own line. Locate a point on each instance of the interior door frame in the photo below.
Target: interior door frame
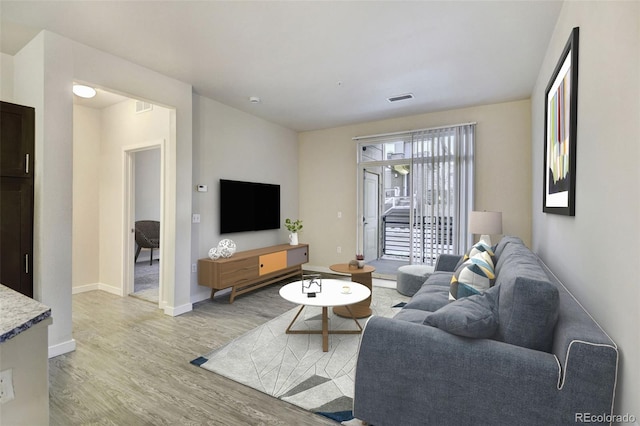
{"x": 128, "y": 214}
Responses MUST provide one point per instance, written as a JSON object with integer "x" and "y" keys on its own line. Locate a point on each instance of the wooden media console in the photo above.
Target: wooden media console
{"x": 248, "y": 270}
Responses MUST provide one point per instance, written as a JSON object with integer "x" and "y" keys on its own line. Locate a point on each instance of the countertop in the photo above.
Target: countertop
{"x": 18, "y": 313}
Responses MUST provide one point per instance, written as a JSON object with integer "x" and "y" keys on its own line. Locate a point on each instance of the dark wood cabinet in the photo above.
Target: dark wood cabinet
{"x": 17, "y": 141}
{"x": 17, "y": 135}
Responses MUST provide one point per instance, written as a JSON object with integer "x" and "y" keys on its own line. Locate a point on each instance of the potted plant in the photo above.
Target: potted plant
{"x": 294, "y": 227}
{"x": 360, "y": 260}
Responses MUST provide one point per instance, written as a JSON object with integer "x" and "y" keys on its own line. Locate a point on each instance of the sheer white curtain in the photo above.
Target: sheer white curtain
{"x": 443, "y": 187}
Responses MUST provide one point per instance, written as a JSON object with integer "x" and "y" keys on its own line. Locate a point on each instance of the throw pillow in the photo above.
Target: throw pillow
{"x": 474, "y": 316}
{"x": 479, "y": 247}
{"x": 472, "y": 277}
{"x": 528, "y": 310}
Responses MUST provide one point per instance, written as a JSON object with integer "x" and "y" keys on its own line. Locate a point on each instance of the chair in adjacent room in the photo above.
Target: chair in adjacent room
{"x": 147, "y": 236}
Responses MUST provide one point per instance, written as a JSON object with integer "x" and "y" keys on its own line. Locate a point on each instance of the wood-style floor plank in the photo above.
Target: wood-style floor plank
{"x": 131, "y": 365}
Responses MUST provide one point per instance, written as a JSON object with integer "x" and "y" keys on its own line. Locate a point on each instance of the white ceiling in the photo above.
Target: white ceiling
{"x": 314, "y": 64}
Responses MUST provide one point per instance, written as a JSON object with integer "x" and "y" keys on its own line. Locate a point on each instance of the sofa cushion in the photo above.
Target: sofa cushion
{"x": 472, "y": 277}
{"x": 412, "y": 315}
{"x": 439, "y": 278}
{"x": 528, "y": 312}
{"x": 430, "y": 297}
{"x": 504, "y": 241}
{"x": 474, "y": 316}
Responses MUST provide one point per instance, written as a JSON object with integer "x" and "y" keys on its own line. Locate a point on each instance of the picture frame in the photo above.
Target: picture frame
{"x": 560, "y": 132}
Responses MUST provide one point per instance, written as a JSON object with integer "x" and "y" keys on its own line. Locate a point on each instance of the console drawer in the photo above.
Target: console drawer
{"x": 272, "y": 262}
{"x": 297, "y": 256}
{"x": 238, "y": 271}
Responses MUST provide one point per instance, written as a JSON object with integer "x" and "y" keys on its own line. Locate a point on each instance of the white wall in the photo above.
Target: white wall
{"x": 230, "y": 144}
{"x": 594, "y": 253}
{"x": 87, "y": 132}
{"x": 6, "y": 77}
{"x": 44, "y": 71}
{"x": 328, "y": 174}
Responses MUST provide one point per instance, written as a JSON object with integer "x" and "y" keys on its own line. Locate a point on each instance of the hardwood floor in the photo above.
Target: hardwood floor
{"x": 131, "y": 365}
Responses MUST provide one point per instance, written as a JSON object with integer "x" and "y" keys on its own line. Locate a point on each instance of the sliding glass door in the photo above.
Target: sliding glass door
{"x": 415, "y": 194}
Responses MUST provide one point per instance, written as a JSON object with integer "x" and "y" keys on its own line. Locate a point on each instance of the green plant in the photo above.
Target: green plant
{"x": 293, "y": 226}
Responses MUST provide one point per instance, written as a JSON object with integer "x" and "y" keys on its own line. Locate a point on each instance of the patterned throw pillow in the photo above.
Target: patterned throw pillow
{"x": 472, "y": 277}
{"x": 479, "y": 247}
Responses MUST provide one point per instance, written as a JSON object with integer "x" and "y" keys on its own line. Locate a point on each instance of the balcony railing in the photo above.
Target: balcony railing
{"x": 430, "y": 237}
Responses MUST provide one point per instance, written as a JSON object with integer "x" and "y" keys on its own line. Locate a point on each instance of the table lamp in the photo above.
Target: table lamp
{"x": 485, "y": 223}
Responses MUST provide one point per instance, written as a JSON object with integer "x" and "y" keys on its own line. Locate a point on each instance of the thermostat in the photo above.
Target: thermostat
{"x": 202, "y": 188}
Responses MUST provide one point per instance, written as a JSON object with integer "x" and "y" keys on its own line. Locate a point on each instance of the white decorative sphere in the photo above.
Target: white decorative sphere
{"x": 226, "y": 248}
{"x": 213, "y": 253}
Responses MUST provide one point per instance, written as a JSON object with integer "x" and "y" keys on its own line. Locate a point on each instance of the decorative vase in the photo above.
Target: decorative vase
{"x": 226, "y": 248}
{"x": 293, "y": 238}
{"x": 360, "y": 264}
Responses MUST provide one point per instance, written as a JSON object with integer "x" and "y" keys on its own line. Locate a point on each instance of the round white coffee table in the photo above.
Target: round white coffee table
{"x": 331, "y": 295}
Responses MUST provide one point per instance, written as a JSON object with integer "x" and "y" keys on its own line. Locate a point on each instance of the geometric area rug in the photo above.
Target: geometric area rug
{"x": 293, "y": 367}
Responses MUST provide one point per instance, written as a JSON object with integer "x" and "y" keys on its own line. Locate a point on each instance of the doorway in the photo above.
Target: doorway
{"x": 143, "y": 200}
{"x": 146, "y": 203}
{"x": 386, "y": 206}
{"x": 371, "y": 209}
{"x": 103, "y": 198}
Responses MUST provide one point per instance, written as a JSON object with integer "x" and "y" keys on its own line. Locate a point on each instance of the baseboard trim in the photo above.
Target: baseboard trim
{"x": 85, "y": 288}
{"x": 62, "y": 348}
{"x": 178, "y": 310}
{"x": 323, "y": 269}
{"x": 97, "y": 286}
{"x": 111, "y": 289}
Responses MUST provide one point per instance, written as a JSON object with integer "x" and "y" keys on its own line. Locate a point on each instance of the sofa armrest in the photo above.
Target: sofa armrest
{"x": 447, "y": 262}
{"x": 413, "y": 374}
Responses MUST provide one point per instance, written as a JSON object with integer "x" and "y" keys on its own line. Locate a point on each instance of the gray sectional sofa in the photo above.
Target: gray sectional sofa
{"x": 523, "y": 352}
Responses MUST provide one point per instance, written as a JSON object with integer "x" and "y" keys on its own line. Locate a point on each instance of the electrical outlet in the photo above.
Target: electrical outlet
{"x": 339, "y": 249}
{"x": 339, "y": 215}
{"x": 196, "y": 218}
{"x": 6, "y": 386}
{"x": 193, "y": 267}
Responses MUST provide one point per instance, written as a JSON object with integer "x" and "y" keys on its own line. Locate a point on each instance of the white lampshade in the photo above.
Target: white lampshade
{"x": 485, "y": 223}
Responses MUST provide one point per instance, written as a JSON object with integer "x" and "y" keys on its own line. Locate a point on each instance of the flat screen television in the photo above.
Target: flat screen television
{"x": 248, "y": 206}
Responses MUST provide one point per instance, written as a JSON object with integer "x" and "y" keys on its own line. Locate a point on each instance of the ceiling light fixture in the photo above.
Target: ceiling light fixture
{"x": 400, "y": 97}
{"x": 84, "y": 91}
{"x": 254, "y": 99}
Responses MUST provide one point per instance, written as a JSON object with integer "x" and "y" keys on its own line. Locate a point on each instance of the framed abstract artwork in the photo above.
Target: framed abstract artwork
{"x": 560, "y": 128}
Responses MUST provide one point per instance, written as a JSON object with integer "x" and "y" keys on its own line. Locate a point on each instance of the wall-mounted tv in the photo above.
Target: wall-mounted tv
{"x": 248, "y": 206}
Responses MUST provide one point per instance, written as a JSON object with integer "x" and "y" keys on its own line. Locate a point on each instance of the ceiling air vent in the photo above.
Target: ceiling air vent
{"x": 400, "y": 97}
{"x": 142, "y": 106}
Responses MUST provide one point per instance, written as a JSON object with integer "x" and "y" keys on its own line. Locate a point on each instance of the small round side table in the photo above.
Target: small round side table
{"x": 358, "y": 275}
